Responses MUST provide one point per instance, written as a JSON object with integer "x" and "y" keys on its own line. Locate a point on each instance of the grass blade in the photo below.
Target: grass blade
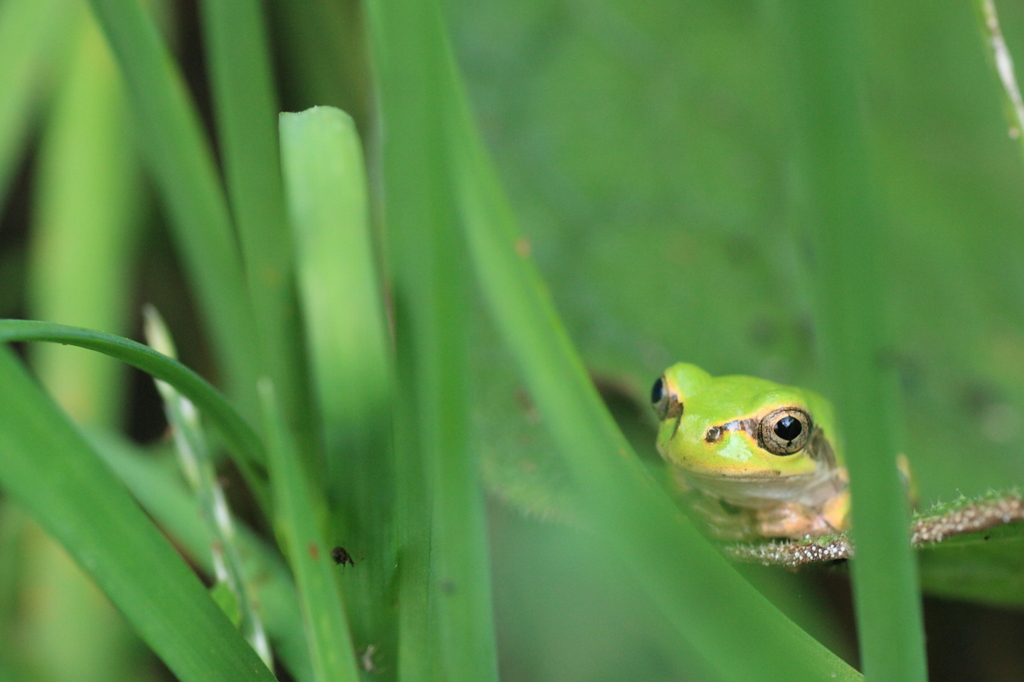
{"x": 241, "y": 440}
{"x": 246, "y": 111}
{"x": 430, "y": 285}
{"x": 31, "y": 31}
{"x": 849, "y": 234}
{"x": 47, "y": 467}
{"x": 86, "y": 210}
{"x": 88, "y": 201}
{"x": 348, "y": 344}
{"x": 299, "y": 509}
{"x": 179, "y": 157}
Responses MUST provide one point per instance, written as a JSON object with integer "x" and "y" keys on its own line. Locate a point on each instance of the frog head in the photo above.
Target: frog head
{"x": 741, "y": 428}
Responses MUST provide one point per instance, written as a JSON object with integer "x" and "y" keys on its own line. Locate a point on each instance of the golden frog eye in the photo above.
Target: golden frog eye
{"x": 785, "y": 431}
{"x": 666, "y": 404}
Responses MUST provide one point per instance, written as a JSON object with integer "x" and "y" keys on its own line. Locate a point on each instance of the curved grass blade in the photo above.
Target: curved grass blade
{"x": 53, "y": 473}
{"x": 241, "y": 440}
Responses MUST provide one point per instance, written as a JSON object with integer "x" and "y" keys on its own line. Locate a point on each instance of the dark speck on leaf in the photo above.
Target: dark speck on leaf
{"x": 342, "y": 557}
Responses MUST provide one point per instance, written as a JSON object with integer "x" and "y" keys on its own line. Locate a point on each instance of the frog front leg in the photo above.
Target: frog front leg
{"x": 796, "y": 521}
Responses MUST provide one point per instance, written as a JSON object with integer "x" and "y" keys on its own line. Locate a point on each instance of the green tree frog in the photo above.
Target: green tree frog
{"x": 758, "y": 459}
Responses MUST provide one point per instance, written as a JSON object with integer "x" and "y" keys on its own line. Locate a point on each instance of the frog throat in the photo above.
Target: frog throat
{"x": 812, "y": 489}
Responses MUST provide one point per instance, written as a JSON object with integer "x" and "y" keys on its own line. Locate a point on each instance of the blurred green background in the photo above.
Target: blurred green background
{"x": 648, "y": 152}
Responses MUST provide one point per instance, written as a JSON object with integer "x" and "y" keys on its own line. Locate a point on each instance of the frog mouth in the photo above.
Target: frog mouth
{"x": 763, "y": 491}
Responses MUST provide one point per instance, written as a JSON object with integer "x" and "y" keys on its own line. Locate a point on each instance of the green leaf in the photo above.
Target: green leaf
{"x": 246, "y": 110}
{"x": 180, "y": 159}
{"x": 973, "y": 549}
{"x": 87, "y": 214}
{"x": 47, "y": 467}
{"x": 431, "y": 284}
{"x": 299, "y": 508}
{"x": 348, "y": 350}
{"x": 85, "y": 221}
{"x": 841, "y": 210}
{"x": 241, "y": 440}
{"x": 31, "y": 33}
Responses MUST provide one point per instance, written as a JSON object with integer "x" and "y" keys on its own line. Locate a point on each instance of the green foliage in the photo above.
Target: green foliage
{"x": 346, "y": 341}
{"x": 298, "y": 507}
{"x": 93, "y": 516}
{"x": 971, "y": 549}
{"x": 669, "y": 182}
{"x": 249, "y": 451}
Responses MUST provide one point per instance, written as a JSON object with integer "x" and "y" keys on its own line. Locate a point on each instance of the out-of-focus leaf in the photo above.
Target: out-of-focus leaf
{"x": 32, "y": 33}
{"x": 47, "y": 467}
{"x": 181, "y": 161}
{"x": 87, "y": 208}
{"x": 240, "y": 438}
{"x": 979, "y": 553}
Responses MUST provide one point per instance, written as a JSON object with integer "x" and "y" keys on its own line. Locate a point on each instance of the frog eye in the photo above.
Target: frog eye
{"x": 785, "y": 431}
{"x": 666, "y": 404}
